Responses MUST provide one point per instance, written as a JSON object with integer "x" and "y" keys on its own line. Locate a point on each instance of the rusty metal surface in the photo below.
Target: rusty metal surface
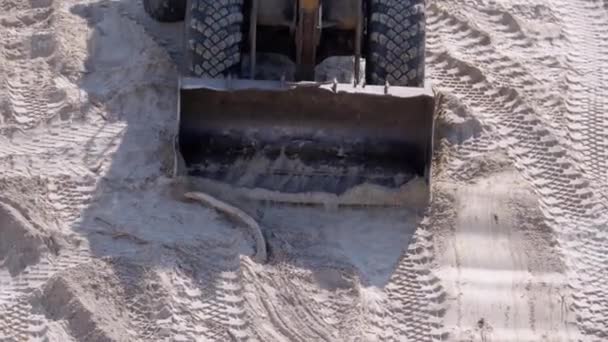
{"x": 342, "y": 14}
{"x": 304, "y": 137}
{"x": 276, "y": 12}
{"x": 308, "y": 34}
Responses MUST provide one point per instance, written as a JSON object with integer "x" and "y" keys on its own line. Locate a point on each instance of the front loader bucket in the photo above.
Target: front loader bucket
{"x": 308, "y": 143}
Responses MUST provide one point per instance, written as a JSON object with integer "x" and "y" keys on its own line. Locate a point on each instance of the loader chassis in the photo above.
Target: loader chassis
{"x": 341, "y": 14}
{"x": 310, "y": 31}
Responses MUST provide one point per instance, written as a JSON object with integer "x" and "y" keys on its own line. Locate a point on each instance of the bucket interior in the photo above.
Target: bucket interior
{"x": 306, "y": 139}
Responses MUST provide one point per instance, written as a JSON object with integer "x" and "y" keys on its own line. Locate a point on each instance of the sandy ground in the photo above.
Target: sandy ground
{"x": 97, "y": 245}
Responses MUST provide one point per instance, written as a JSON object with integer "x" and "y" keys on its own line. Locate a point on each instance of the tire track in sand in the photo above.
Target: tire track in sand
{"x": 415, "y": 296}
{"x": 493, "y": 51}
{"x": 29, "y": 97}
{"x": 304, "y": 302}
{"x": 209, "y": 300}
{"x": 20, "y": 322}
{"x": 585, "y": 26}
{"x": 29, "y": 47}
{"x": 571, "y": 208}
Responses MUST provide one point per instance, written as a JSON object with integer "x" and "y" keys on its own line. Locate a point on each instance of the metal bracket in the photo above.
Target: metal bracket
{"x": 229, "y": 82}
{"x": 253, "y": 32}
{"x": 308, "y": 35}
{"x": 358, "y": 41}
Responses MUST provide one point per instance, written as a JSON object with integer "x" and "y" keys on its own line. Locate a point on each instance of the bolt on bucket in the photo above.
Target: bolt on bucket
{"x": 308, "y": 143}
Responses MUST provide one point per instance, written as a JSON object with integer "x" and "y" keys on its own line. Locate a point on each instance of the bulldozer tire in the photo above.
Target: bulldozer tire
{"x": 166, "y": 10}
{"x": 214, "y": 34}
{"x": 396, "y": 43}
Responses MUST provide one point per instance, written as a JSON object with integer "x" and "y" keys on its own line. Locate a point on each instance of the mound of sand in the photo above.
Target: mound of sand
{"x": 21, "y": 244}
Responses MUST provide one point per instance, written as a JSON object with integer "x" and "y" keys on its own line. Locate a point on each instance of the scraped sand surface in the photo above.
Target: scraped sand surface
{"x": 97, "y": 242}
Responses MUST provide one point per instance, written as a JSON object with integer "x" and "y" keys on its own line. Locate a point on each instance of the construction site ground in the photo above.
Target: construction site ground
{"x": 97, "y": 243}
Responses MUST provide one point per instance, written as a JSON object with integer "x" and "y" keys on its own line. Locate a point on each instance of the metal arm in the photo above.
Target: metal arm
{"x": 308, "y": 36}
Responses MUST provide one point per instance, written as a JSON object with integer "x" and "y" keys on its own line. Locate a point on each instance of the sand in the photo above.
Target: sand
{"x": 98, "y": 243}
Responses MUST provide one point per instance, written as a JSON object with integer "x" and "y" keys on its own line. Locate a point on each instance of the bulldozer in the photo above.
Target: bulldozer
{"x": 288, "y": 135}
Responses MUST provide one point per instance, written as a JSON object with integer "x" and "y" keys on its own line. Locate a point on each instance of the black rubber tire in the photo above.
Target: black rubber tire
{"x": 214, "y": 37}
{"x": 396, "y": 43}
{"x": 166, "y": 10}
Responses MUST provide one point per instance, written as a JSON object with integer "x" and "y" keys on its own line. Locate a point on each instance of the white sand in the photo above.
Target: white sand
{"x": 97, "y": 243}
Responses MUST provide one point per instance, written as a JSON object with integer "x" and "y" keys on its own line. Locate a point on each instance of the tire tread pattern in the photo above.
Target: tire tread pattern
{"x": 396, "y": 38}
{"x": 215, "y": 37}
